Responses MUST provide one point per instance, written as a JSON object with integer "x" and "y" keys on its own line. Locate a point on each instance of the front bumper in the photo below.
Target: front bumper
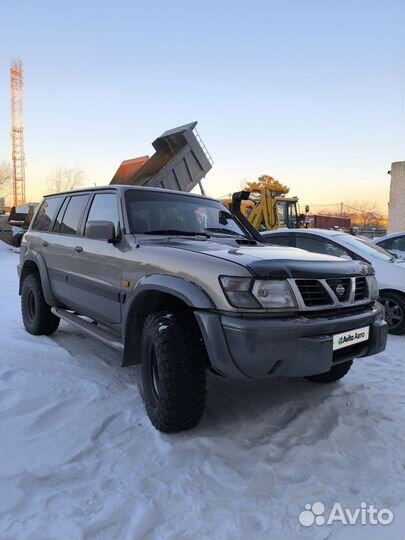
{"x": 256, "y": 348}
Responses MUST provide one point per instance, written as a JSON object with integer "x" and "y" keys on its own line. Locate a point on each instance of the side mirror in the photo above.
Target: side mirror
{"x": 100, "y": 230}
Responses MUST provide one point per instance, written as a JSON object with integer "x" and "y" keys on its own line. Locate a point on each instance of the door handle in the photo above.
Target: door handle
{"x": 79, "y": 249}
{"x": 45, "y": 243}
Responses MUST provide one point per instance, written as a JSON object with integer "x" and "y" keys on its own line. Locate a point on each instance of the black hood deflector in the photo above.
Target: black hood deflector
{"x": 280, "y": 269}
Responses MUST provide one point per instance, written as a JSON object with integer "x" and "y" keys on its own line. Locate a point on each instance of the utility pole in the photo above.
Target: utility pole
{"x": 17, "y": 131}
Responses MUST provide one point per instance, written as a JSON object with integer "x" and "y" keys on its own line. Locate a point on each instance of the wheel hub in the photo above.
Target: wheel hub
{"x": 393, "y": 313}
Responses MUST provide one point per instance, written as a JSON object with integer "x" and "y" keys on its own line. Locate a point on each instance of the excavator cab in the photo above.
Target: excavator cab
{"x": 286, "y": 214}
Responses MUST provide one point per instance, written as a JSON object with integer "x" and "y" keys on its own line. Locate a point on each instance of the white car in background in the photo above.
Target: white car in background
{"x": 394, "y": 243}
{"x": 389, "y": 270}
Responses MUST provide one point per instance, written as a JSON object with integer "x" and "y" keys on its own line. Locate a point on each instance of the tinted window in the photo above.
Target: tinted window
{"x": 46, "y": 213}
{"x": 104, "y": 208}
{"x": 320, "y": 245}
{"x": 278, "y": 239}
{"x": 74, "y": 210}
{"x": 172, "y": 213}
{"x": 386, "y": 244}
{"x": 58, "y": 220}
{"x": 397, "y": 243}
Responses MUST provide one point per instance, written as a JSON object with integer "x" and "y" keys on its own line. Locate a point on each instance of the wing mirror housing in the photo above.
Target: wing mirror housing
{"x": 101, "y": 230}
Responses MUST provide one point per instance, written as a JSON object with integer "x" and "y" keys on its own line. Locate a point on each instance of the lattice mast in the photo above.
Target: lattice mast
{"x": 17, "y": 131}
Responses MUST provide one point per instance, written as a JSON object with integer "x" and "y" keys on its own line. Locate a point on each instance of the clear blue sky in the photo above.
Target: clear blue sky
{"x": 310, "y": 91}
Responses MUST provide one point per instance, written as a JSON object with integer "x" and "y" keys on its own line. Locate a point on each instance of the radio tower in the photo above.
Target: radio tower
{"x": 17, "y": 131}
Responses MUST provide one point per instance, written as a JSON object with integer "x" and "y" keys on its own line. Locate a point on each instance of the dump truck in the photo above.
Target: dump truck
{"x": 180, "y": 162}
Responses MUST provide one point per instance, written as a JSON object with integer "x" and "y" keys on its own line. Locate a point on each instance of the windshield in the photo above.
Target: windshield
{"x": 366, "y": 248}
{"x": 157, "y": 212}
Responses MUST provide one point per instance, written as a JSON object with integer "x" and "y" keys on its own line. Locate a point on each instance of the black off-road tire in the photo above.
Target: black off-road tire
{"x": 173, "y": 371}
{"x": 333, "y": 375}
{"x": 394, "y": 305}
{"x": 36, "y": 313}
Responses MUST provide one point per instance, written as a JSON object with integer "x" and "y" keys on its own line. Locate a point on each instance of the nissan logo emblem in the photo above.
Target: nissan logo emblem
{"x": 340, "y": 290}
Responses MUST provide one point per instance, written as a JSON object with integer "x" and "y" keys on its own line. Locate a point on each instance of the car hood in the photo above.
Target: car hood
{"x": 268, "y": 261}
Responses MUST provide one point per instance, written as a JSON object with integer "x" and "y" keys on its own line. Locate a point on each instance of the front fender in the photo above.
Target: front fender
{"x": 190, "y": 293}
{"x": 138, "y": 306}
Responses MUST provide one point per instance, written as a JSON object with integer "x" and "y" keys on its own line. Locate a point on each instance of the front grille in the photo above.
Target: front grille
{"x": 341, "y": 288}
{"x": 313, "y": 292}
{"x": 338, "y": 312}
{"x": 322, "y": 294}
{"x": 361, "y": 292}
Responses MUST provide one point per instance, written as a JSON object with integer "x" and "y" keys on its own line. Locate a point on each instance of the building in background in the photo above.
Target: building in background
{"x": 396, "y": 208}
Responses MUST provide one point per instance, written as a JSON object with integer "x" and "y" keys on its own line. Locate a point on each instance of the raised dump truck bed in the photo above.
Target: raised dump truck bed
{"x": 180, "y": 162}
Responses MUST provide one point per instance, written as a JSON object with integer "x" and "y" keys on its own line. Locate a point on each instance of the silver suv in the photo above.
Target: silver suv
{"x": 180, "y": 284}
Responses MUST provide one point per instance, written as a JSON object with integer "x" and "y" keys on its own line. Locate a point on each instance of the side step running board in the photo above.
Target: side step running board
{"x": 90, "y": 328}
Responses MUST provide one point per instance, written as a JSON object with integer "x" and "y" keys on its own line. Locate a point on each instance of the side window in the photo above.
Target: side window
{"x": 278, "y": 239}
{"x": 387, "y": 244}
{"x": 104, "y": 208}
{"x": 74, "y": 210}
{"x": 398, "y": 243}
{"x": 320, "y": 245}
{"x": 46, "y": 214}
{"x": 58, "y": 220}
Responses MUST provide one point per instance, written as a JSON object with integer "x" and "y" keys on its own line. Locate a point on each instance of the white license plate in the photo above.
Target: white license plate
{"x": 350, "y": 338}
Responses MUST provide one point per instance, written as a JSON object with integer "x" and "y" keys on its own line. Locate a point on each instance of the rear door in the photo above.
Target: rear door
{"x": 60, "y": 253}
{"x": 96, "y": 281}
{"x": 40, "y": 237}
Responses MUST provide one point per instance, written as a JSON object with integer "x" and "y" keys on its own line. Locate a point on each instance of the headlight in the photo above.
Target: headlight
{"x": 274, "y": 294}
{"x": 373, "y": 287}
{"x": 248, "y": 293}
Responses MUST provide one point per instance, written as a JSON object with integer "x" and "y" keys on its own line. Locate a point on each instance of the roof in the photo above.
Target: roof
{"x": 388, "y": 236}
{"x": 124, "y": 187}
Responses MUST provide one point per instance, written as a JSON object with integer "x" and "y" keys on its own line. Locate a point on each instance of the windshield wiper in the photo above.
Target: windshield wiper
{"x": 176, "y": 232}
{"x": 225, "y": 232}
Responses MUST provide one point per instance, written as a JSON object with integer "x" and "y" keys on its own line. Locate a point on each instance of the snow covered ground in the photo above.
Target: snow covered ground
{"x": 79, "y": 458}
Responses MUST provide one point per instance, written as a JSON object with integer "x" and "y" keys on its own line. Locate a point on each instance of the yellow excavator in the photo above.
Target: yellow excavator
{"x": 270, "y": 210}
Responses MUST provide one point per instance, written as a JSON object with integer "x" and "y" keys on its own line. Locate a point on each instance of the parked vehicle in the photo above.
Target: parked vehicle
{"x": 394, "y": 243}
{"x": 175, "y": 282}
{"x": 20, "y": 218}
{"x": 389, "y": 271}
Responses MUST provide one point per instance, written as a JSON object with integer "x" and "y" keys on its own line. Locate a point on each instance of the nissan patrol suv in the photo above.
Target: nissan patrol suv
{"x": 180, "y": 284}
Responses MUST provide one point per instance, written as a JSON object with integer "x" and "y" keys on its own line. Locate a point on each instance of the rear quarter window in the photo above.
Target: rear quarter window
{"x": 46, "y": 214}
